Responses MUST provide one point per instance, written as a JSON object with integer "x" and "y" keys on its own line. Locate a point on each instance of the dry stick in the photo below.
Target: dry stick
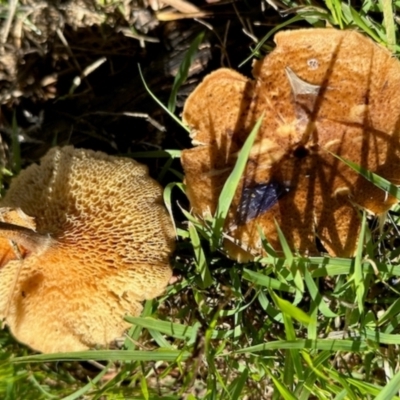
{"x": 130, "y": 114}
{"x": 141, "y": 38}
{"x": 74, "y": 60}
{"x": 87, "y": 71}
{"x": 7, "y": 26}
{"x": 224, "y": 53}
{"x": 246, "y": 27}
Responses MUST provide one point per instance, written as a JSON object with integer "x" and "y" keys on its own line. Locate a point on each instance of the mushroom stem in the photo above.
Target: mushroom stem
{"x": 28, "y": 238}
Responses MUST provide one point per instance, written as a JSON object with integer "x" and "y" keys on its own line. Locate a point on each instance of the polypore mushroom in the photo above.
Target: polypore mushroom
{"x": 321, "y": 91}
{"x": 96, "y": 244}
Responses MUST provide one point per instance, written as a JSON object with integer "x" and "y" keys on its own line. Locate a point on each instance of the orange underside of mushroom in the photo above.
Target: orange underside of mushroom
{"x": 321, "y": 91}
{"x": 96, "y": 243}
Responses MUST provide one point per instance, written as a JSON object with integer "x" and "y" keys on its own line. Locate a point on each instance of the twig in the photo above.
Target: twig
{"x": 7, "y": 26}
{"x": 74, "y": 60}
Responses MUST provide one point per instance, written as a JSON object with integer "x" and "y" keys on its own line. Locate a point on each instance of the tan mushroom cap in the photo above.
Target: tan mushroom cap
{"x": 106, "y": 245}
{"x": 321, "y": 91}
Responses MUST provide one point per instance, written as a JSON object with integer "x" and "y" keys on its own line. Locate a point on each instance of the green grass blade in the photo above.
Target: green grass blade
{"x": 358, "y": 276}
{"x": 229, "y": 189}
{"x": 200, "y": 258}
{"x": 144, "y": 388}
{"x": 284, "y": 392}
{"x": 183, "y": 71}
{"x": 111, "y": 355}
{"x": 319, "y": 344}
{"x": 175, "y": 330}
{"x": 380, "y": 337}
{"x": 345, "y": 266}
{"x": 390, "y": 313}
{"x": 297, "y": 270}
{"x": 312, "y": 327}
{"x": 268, "y": 35}
{"x": 178, "y": 331}
{"x": 388, "y": 22}
{"x": 135, "y": 331}
{"x": 166, "y": 167}
{"x": 293, "y": 358}
{"x": 391, "y": 389}
{"x": 172, "y": 115}
{"x": 335, "y": 8}
{"x": 271, "y": 256}
{"x": 160, "y": 339}
{"x": 266, "y": 281}
{"x": 349, "y": 392}
{"x": 237, "y": 386}
{"x": 293, "y": 365}
{"x": 316, "y": 296}
{"x": 288, "y": 308}
{"x": 167, "y": 197}
{"x": 375, "y": 179}
{"x": 368, "y": 388}
{"x": 315, "y": 362}
{"x": 361, "y": 23}
{"x": 285, "y": 246}
{"x": 83, "y": 390}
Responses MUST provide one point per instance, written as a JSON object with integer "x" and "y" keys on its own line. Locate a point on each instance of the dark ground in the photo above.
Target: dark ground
{"x": 38, "y": 72}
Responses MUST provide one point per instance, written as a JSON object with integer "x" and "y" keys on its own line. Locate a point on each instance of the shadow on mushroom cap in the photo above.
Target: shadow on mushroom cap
{"x": 109, "y": 248}
{"x": 321, "y": 91}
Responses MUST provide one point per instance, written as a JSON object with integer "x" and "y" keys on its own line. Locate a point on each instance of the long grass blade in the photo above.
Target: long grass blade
{"x": 200, "y": 258}
{"x": 183, "y": 71}
{"x": 288, "y": 308}
{"x": 229, "y": 189}
{"x": 388, "y": 22}
{"x": 172, "y": 115}
{"x": 391, "y": 389}
{"x": 111, "y": 355}
{"x": 358, "y": 270}
{"x": 319, "y": 344}
{"x": 375, "y": 179}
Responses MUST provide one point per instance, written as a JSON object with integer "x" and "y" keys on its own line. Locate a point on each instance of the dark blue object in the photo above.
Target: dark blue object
{"x": 258, "y": 199}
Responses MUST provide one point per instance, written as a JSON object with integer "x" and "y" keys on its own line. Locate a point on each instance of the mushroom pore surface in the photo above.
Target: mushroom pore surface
{"x": 322, "y": 92}
{"x": 106, "y": 245}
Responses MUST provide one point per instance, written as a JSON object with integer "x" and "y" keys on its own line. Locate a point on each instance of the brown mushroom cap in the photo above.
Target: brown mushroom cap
{"x": 321, "y": 91}
{"x": 109, "y": 240}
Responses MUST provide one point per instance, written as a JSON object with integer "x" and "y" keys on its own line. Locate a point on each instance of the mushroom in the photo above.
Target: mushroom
{"x": 85, "y": 239}
{"x": 322, "y": 92}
